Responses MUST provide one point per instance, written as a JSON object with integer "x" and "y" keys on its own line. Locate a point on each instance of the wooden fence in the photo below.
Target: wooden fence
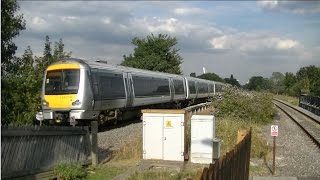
{"x": 29, "y": 150}
{"x": 232, "y": 166}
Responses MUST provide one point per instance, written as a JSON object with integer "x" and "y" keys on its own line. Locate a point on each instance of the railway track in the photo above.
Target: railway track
{"x": 307, "y": 121}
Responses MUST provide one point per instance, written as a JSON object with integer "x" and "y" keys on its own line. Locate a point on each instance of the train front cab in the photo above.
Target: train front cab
{"x": 66, "y": 93}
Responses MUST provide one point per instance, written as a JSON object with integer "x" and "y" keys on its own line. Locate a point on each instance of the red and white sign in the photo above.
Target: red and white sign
{"x": 274, "y": 130}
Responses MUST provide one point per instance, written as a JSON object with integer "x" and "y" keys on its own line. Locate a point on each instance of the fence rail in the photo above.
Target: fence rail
{"x": 29, "y": 150}
{"x": 232, "y": 166}
{"x": 310, "y": 103}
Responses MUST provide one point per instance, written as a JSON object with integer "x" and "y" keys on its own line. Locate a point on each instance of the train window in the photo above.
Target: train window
{"x": 192, "y": 87}
{"x": 178, "y": 86}
{"x": 64, "y": 81}
{"x": 203, "y": 88}
{"x": 111, "y": 86}
{"x": 148, "y": 86}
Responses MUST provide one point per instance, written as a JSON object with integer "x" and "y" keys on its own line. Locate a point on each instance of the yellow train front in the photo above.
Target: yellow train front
{"x": 66, "y": 93}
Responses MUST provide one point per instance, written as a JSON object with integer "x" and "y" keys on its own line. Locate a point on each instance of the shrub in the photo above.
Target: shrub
{"x": 69, "y": 171}
{"x": 248, "y": 106}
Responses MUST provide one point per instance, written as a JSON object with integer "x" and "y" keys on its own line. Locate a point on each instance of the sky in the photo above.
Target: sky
{"x": 243, "y": 38}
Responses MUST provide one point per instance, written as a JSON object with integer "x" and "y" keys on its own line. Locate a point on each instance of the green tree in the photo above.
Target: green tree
{"x": 11, "y": 25}
{"x": 232, "y": 81}
{"x": 58, "y": 52}
{"x": 21, "y": 97}
{"x": 211, "y": 76}
{"x": 258, "y": 83}
{"x": 277, "y": 82}
{"x": 309, "y": 79}
{"x": 156, "y": 53}
{"x": 193, "y": 74}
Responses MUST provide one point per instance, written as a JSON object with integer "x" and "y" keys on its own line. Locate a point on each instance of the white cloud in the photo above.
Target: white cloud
{"x": 219, "y": 42}
{"x": 38, "y": 21}
{"x": 252, "y": 42}
{"x": 69, "y": 19}
{"x": 188, "y": 11}
{"x": 106, "y": 20}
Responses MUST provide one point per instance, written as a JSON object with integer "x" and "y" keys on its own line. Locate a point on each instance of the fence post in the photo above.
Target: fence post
{"x": 94, "y": 143}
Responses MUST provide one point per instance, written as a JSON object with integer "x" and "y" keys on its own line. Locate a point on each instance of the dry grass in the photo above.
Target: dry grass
{"x": 227, "y": 129}
{"x": 130, "y": 151}
{"x": 289, "y": 99}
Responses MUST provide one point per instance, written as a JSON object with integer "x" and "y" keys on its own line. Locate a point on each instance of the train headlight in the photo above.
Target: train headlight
{"x": 76, "y": 102}
{"x": 45, "y": 103}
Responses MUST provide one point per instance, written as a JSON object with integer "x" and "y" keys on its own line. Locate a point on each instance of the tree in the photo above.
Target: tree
{"x": 277, "y": 82}
{"x": 21, "y": 97}
{"x": 211, "y": 76}
{"x": 232, "y": 81}
{"x": 258, "y": 83}
{"x": 309, "y": 79}
{"x": 11, "y": 25}
{"x": 156, "y": 53}
{"x": 193, "y": 74}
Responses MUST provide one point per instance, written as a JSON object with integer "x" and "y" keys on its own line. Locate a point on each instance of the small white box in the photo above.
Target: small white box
{"x": 202, "y": 138}
{"x": 163, "y": 134}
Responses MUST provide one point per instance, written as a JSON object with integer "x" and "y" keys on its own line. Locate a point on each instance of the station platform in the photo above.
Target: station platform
{"x": 283, "y": 178}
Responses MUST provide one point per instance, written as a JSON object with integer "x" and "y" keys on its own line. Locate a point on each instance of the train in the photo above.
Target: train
{"x": 77, "y": 91}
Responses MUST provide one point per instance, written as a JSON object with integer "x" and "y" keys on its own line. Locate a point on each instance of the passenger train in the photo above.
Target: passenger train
{"x": 78, "y": 91}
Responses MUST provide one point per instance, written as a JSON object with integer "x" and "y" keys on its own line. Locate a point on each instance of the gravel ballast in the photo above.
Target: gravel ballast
{"x": 296, "y": 154}
{"x": 115, "y": 138}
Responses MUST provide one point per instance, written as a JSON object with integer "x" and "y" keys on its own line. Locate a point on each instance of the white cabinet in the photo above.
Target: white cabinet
{"x": 202, "y": 138}
{"x": 163, "y": 134}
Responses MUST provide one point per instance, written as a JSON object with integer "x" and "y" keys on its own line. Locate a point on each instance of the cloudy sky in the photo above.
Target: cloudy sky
{"x": 243, "y": 38}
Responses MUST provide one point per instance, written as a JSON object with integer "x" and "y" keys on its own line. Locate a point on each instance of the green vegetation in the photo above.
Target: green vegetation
{"x": 210, "y": 76}
{"x": 242, "y": 110}
{"x": 251, "y": 107}
{"x": 289, "y": 99}
{"x": 156, "y": 53}
{"x": 105, "y": 172}
{"x": 305, "y": 81}
{"x": 164, "y": 175}
{"x": 69, "y": 171}
{"x": 21, "y": 76}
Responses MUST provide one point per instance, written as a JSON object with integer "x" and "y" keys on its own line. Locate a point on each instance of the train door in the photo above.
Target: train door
{"x": 129, "y": 87}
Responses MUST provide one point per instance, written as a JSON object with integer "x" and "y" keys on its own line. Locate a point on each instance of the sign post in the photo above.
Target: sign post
{"x": 274, "y": 133}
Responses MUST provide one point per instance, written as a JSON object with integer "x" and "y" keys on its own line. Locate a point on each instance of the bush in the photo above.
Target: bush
{"x": 69, "y": 171}
{"x": 248, "y": 106}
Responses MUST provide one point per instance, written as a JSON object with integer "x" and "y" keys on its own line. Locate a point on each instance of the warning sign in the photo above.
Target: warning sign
{"x": 168, "y": 124}
{"x": 274, "y": 130}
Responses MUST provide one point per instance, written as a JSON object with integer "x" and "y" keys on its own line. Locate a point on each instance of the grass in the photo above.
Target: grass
{"x": 164, "y": 175}
{"x": 290, "y": 99}
{"x": 241, "y": 110}
{"x": 227, "y": 129}
{"x": 130, "y": 151}
{"x": 105, "y": 172}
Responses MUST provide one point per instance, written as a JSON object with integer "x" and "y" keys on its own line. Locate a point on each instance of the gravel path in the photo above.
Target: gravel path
{"x": 113, "y": 139}
{"x": 296, "y": 154}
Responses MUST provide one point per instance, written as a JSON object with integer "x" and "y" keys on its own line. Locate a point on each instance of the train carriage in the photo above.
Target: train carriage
{"x": 80, "y": 90}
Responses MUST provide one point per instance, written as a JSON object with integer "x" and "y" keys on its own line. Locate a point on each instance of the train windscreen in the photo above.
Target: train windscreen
{"x": 62, "y": 82}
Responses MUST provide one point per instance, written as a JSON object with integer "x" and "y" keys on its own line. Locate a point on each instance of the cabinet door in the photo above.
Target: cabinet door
{"x": 201, "y": 136}
{"x": 173, "y": 138}
{"x": 153, "y": 137}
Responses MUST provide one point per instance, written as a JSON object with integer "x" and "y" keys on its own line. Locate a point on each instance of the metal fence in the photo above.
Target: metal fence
{"x": 232, "y": 166}
{"x": 310, "y": 103}
{"x": 29, "y": 150}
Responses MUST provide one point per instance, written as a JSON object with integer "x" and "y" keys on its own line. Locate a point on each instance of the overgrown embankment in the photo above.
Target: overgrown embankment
{"x": 241, "y": 110}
